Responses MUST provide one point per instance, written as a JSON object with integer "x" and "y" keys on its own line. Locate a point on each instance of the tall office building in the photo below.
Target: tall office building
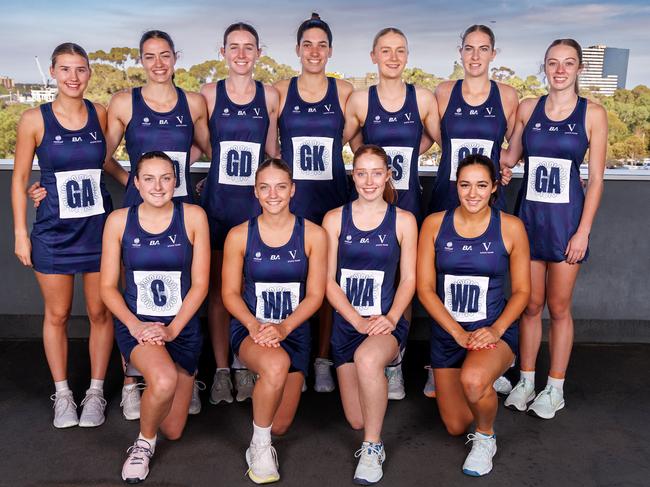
{"x": 605, "y": 69}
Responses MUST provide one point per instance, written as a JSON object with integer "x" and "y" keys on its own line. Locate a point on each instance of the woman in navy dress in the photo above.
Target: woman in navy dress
{"x": 553, "y": 133}
{"x": 67, "y": 136}
{"x": 164, "y": 247}
{"x": 464, "y": 258}
{"x": 243, "y": 128}
{"x": 273, "y": 282}
{"x": 311, "y": 122}
{"x": 371, "y": 281}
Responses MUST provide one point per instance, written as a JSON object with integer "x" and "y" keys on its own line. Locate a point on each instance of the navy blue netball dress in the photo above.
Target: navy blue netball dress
{"x": 238, "y": 136}
{"x": 471, "y": 275}
{"x": 170, "y": 132}
{"x": 466, "y": 130}
{"x": 274, "y": 285}
{"x": 67, "y": 233}
{"x": 158, "y": 270}
{"x": 311, "y": 137}
{"x": 368, "y": 263}
{"x": 399, "y": 134}
{"x": 551, "y": 197}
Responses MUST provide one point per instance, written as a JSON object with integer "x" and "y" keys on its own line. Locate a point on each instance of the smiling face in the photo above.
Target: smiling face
{"x": 72, "y": 73}
{"x": 158, "y": 59}
{"x": 390, "y": 54}
{"x": 476, "y": 54}
{"x": 240, "y": 52}
{"x": 314, "y": 50}
{"x": 155, "y": 180}
{"x": 370, "y": 176}
{"x": 475, "y": 187}
{"x": 562, "y": 67}
{"x": 274, "y": 190}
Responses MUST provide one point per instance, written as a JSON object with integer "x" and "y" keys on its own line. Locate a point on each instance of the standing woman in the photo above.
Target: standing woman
{"x": 67, "y": 136}
{"x": 311, "y": 135}
{"x": 476, "y": 115}
{"x": 370, "y": 242}
{"x": 164, "y": 248}
{"x": 243, "y": 127}
{"x": 464, "y": 257}
{"x": 553, "y": 133}
{"x": 273, "y": 282}
{"x": 394, "y": 115}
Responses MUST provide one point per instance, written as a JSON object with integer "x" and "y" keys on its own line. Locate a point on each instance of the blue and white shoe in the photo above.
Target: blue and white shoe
{"x": 369, "y": 470}
{"x": 479, "y": 460}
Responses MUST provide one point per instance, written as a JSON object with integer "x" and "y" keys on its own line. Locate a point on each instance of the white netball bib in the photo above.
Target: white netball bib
{"x": 79, "y": 193}
{"x": 238, "y": 162}
{"x": 158, "y": 292}
{"x": 400, "y": 163}
{"x": 312, "y": 158}
{"x": 548, "y": 180}
{"x": 276, "y": 300}
{"x": 461, "y": 148}
{"x": 466, "y": 297}
{"x": 363, "y": 290}
{"x": 179, "y": 159}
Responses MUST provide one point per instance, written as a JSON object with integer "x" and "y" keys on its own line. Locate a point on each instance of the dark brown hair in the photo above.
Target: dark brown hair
{"x": 390, "y": 194}
{"x": 69, "y": 48}
{"x": 387, "y": 30}
{"x": 241, "y": 26}
{"x": 571, "y": 43}
{"x": 479, "y": 160}
{"x": 315, "y": 22}
{"x": 276, "y": 163}
{"x": 478, "y": 28}
{"x": 157, "y": 34}
{"x": 154, "y": 154}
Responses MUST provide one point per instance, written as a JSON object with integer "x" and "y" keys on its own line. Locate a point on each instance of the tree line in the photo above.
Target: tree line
{"x": 117, "y": 69}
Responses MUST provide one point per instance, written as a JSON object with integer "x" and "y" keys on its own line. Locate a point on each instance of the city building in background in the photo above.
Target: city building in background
{"x": 6, "y": 82}
{"x": 605, "y": 69}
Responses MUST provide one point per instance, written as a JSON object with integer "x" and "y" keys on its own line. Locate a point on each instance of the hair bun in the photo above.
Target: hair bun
{"x": 315, "y": 16}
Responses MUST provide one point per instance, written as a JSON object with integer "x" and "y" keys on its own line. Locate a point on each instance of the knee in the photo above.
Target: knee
{"x": 173, "y": 433}
{"x": 559, "y": 309}
{"x": 455, "y": 427}
{"x": 280, "y": 427}
{"x": 57, "y": 317}
{"x": 367, "y": 363}
{"x": 534, "y": 307}
{"x": 475, "y": 383}
{"x": 163, "y": 384}
{"x": 355, "y": 423}
{"x": 275, "y": 371}
{"x": 99, "y": 316}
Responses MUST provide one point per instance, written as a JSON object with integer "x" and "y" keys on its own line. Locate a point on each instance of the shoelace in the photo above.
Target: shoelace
{"x": 97, "y": 405}
{"x": 131, "y": 391}
{"x": 246, "y": 379}
{"x": 547, "y": 391}
{"x": 369, "y": 450}
{"x": 200, "y": 385}
{"x": 394, "y": 377}
{"x": 520, "y": 385}
{"x": 480, "y": 442}
{"x": 256, "y": 452}
{"x": 64, "y": 401}
{"x": 223, "y": 382}
{"x": 135, "y": 449}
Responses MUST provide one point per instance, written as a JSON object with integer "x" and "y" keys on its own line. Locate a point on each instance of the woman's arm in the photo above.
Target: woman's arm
{"x": 335, "y": 295}
{"x": 30, "y": 131}
{"x": 597, "y": 130}
{"x": 516, "y": 241}
{"x": 272, "y": 146}
{"x": 119, "y": 111}
{"x": 199, "y": 111}
{"x": 510, "y": 157}
{"x": 430, "y": 118}
{"x": 355, "y": 114}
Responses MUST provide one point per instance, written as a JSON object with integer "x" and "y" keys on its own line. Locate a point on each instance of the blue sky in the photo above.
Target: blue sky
{"x": 523, "y": 29}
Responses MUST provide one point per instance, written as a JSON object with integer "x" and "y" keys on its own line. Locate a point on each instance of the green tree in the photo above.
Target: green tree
{"x": 9, "y": 116}
{"x": 186, "y": 81}
{"x": 118, "y": 57}
{"x": 209, "y": 71}
{"x": 458, "y": 72}
{"x": 267, "y": 70}
{"x": 421, "y": 78}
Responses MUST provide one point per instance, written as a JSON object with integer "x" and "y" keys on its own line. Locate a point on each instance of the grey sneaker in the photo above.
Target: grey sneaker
{"x": 395, "y": 383}
{"x": 323, "y": 380}
{"x": 65, "y": 409}
{"x": 502, "y": 386}
{"x": 244, "y": 382}
{"x": 195, "y": 403}
{"x": 520, "y": 396}
{"x": 221, "y": 387}
{"x": 94, "y": 405}
{"x": 136, "y": 466}
{"x": 547, "y": 403}
{"x": 369, "y": 470}
{"x": 430, "y": 386}
{"x": 130, "y": 402}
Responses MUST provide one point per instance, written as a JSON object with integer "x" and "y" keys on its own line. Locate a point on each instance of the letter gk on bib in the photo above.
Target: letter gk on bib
{"x": 548, "y": 180}
{"x": 158, "y": 292}
{"x": 312, "y": 158}
{"x": 276, "y": 300}
{"x": 461, "y": 148}
{"x": 363, "y": 290}
{"x": 80, "y": 193}
{"x": 466, "y": 297}
{"x": 238, "y": 162}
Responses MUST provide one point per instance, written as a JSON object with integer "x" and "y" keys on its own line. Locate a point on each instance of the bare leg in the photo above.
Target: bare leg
{"x": 100, "y": 343}
{"x": 530, "y": 330}
{"x": 349, "y": 386}
{"x": 324, "y": 330}
{"x": 452, "y": 404}
{"x": 174, "y": 423}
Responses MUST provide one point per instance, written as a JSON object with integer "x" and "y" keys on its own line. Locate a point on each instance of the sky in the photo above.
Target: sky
{"x": 523, "y": 29}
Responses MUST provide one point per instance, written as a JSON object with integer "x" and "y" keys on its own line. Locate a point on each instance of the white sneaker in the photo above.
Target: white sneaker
{"x": 371, "y": 456}
{"x": 65, "y": 409}
{"x": 130, "y": 402}
{"x": 430, "y": 387}
{"x": 262, "y": 463}
{"x": 479, "y": 460}
{"x": 547, "y": 403}
{"x": 323, "y": 380}
{"x": 395, "y": 383}
{"x": 244, "y": 382}
{"x": 136, "y": 466}
{"x": 195, "y": 403}
{"x": 94, "y": 405}
{"x": 521, "y": 395}
{"x": 502, "y": 385}
{"x": 221, "y": 389}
